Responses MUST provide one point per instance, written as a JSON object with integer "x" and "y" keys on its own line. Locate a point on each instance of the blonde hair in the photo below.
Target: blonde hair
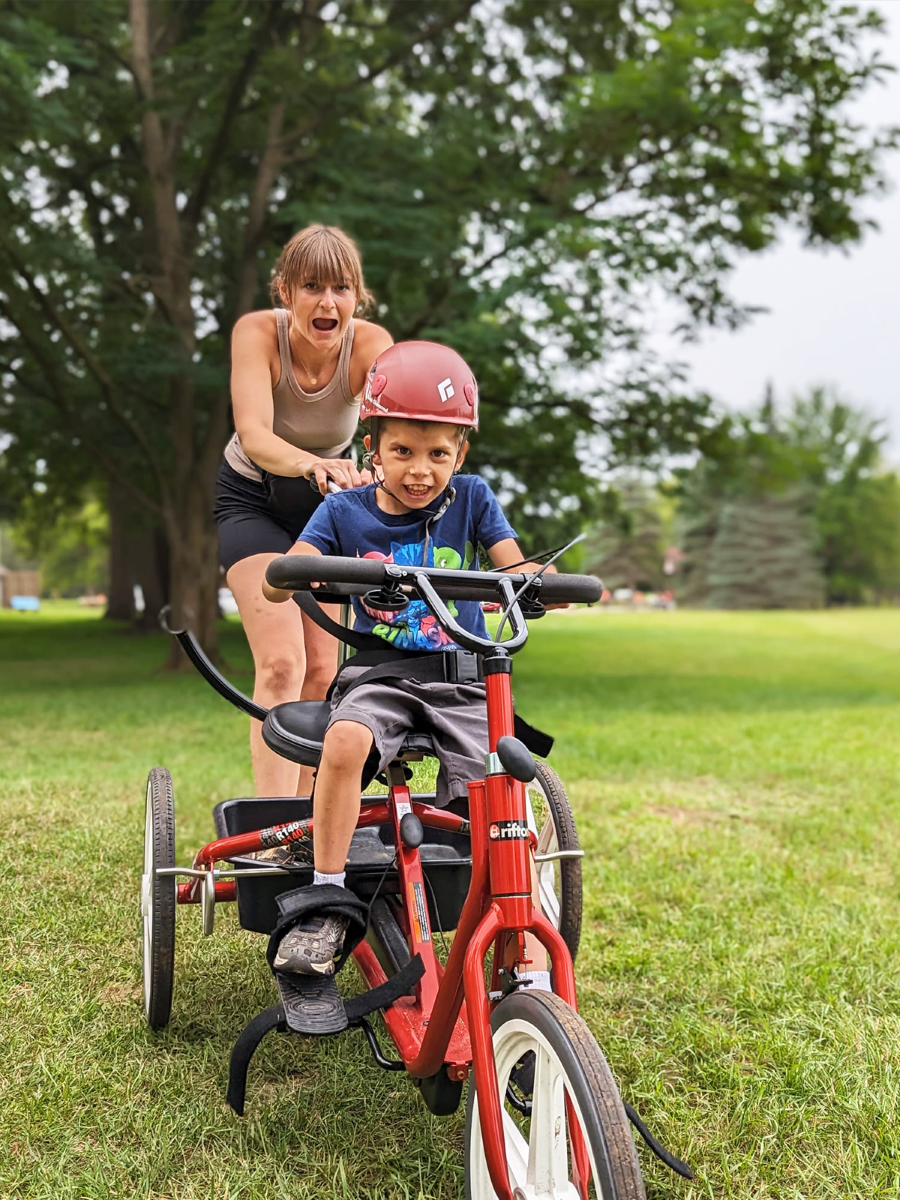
{"x": 321, "y": 253}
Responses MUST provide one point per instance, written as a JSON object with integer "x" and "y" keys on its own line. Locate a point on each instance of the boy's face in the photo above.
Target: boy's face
{"x": 417, "y": 459}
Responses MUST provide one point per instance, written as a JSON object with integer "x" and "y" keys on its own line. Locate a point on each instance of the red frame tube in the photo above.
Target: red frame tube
{"x": 448, "y": 1020}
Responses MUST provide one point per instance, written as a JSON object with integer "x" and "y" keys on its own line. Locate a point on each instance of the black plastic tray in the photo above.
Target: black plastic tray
{"x": 446, "y": 862}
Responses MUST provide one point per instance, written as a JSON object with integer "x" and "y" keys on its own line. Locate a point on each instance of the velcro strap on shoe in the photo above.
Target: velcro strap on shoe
{"x": 324, "y": 899}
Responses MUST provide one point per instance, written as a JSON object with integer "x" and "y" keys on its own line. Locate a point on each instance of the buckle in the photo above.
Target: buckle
{"x": 462, "y": 666}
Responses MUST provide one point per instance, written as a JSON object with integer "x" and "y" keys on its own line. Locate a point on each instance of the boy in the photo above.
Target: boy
{"x": 421, "y": 400}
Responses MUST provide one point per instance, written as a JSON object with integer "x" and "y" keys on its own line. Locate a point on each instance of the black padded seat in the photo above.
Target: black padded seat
{"x": 296, "y": 730}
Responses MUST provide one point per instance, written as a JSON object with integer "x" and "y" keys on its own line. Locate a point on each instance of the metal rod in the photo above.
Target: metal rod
{"x": 193, "y": 873}
{"x": 559, "y": 854}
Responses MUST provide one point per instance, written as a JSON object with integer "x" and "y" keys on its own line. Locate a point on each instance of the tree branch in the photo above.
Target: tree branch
{"x": 87, "y": 356}
{"x": 58, "y": 397}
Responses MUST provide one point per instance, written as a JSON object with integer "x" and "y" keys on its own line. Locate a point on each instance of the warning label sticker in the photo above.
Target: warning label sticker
{"x": 419, "y": 912}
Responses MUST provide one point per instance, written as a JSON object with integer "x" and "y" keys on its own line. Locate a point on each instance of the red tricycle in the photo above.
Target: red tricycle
{"x": 544, "y": 1117}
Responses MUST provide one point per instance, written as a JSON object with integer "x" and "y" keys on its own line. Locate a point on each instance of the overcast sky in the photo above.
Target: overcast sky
{"x": 834, "y": 316}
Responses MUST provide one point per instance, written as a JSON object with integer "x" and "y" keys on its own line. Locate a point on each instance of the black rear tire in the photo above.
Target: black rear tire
{"x": 158, "y": 899}
{"x": 560, "y": 882}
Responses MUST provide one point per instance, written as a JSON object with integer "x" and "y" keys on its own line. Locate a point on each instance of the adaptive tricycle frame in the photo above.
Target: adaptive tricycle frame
{"x": 445, "y": 1028}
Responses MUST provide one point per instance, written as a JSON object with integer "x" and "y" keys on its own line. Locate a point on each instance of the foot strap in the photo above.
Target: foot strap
{"x": 276, "y": 1017}
{"x": 327, "y": 899}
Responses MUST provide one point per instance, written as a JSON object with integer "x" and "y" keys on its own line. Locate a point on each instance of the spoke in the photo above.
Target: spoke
{"x": 548, "y": 1159}
{"x": 516, "y": 1151}
{"x": 549, "y": 899}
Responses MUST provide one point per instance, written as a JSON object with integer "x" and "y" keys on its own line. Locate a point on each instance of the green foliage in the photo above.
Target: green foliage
{"x": 522, "y": 178}
{"x": 763, "y": 554}
{"x": 72, "y": 546}
{"x": 626, "y": 548}
{"x": 777, "y": 487}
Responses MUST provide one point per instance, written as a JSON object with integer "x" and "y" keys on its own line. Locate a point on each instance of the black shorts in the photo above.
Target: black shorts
{"x": 264, "y": 517}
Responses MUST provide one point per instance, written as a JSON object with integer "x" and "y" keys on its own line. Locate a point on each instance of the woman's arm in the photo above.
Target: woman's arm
{"x": 279, "y": 595}
{"x": 251, "y": 398}
{"x": 254, "y": 410}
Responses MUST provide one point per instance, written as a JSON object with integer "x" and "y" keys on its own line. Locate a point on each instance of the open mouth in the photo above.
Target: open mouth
{"x": 324, "y": 324}
{"x": 416, "y": 491}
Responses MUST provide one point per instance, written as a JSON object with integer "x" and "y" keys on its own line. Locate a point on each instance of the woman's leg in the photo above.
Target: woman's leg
{"x": 275, "y": 634}
{"x": 321, "y": 665}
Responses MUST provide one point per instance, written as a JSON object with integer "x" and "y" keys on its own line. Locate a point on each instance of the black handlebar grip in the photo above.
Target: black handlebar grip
{"x": 294, "y": 571}
{"x": 570, "y": 589}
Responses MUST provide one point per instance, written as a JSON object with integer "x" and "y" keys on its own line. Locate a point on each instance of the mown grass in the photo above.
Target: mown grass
{"x": 735, "y": 779}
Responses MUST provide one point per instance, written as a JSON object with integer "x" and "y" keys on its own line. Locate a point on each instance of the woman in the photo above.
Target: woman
{"x": 297, "y": 375}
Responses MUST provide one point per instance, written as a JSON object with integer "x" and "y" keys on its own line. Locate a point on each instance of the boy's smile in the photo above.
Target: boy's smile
{"x": 417, "y": 460}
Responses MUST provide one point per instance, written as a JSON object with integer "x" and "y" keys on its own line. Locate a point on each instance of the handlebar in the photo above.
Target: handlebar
{"x": 354, "y": 576}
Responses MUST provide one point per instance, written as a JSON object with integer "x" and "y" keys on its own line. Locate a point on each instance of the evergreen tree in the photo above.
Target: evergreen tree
{"x": 763, "y": 554}
{"x": 626, "y": 548}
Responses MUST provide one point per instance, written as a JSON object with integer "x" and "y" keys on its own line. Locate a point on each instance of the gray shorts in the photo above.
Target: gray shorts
{"x": 454, "y": 715}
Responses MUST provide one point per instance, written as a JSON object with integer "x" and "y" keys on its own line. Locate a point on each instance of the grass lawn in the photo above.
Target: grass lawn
{"x": 736, "y": 779}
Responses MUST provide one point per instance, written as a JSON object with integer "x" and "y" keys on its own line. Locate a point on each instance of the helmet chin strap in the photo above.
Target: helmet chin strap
{"x": 448, "y": 497}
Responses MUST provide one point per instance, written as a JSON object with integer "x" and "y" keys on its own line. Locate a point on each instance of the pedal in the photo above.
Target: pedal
{"x": 312, "y": 1003}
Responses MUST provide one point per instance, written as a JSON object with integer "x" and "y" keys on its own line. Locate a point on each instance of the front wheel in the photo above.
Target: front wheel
{"x": 571, "y": 1081}
{"x": 158, "y": 898}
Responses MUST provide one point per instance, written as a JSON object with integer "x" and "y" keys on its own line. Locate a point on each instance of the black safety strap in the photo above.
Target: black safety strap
{"x": 383, "y": 996}
{"x": 406, "y": 664}
{"x": 353, "y": 637}
{"x": 433, "y": 668}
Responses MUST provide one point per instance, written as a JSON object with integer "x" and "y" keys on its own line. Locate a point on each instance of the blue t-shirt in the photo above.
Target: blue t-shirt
{"x": 351, "y": 524}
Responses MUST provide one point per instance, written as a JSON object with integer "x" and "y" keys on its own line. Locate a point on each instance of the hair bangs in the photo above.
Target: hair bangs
{"x": 321, "y": 254}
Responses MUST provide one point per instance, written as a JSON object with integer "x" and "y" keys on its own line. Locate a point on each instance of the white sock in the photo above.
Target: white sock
{"x": 319, "y": 877}
{"x": 540, "y": 980}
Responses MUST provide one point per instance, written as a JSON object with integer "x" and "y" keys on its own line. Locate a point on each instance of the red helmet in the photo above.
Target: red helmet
{"x": 421, "y": 381}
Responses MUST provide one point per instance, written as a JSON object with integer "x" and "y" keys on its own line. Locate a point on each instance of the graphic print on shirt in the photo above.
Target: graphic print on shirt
{"x": 415, "y": 627}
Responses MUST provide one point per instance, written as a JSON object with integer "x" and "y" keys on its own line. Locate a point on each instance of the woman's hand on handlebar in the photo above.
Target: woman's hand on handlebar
{"x": 341, "y": 470}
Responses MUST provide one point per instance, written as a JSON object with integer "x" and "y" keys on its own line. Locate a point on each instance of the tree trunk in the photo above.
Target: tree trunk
{"x": 194, "y": 572}
{"x": 120, "y": 590}
{"x": 151, "y": 559}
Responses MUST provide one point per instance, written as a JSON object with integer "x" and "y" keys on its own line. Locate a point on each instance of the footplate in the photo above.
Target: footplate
{"x": 311, "y": 1003}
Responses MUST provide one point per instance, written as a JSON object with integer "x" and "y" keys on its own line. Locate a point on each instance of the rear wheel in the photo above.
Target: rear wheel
{"x": 158, "y": 898}
{"x": 571, "y": 1082}
{"x": 550, "y": 817}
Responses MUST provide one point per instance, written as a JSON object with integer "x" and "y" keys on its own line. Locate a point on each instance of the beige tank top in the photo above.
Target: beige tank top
{"x": 322, "y": 422}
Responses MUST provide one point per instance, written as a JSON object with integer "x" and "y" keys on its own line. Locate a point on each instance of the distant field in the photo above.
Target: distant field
{"x": 736, "y": 779}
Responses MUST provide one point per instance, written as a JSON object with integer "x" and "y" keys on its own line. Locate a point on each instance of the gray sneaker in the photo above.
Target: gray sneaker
{"x": 310, "y": 948}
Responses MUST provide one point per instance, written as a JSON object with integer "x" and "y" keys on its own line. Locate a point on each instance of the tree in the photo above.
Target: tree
{"x": 521, "y": 176}
{"x": 780, "y": 484}
{"x": 763, "y": 554}
{"x": 73, "y": 549}
{"x": 626, "y": 549}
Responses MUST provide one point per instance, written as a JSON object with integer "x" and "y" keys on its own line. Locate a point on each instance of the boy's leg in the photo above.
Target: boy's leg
{"x": 310, "y": 947}
{"x": 336, "y": 800}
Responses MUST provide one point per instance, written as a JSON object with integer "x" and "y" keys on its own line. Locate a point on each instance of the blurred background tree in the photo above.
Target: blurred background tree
{"x": 522, "y": 178}
{"x": 626, "y": 548}
{"x": 791, "y": 507}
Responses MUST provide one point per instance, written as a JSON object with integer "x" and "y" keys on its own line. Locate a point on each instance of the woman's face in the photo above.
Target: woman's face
{"x": 321, "y": 311}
